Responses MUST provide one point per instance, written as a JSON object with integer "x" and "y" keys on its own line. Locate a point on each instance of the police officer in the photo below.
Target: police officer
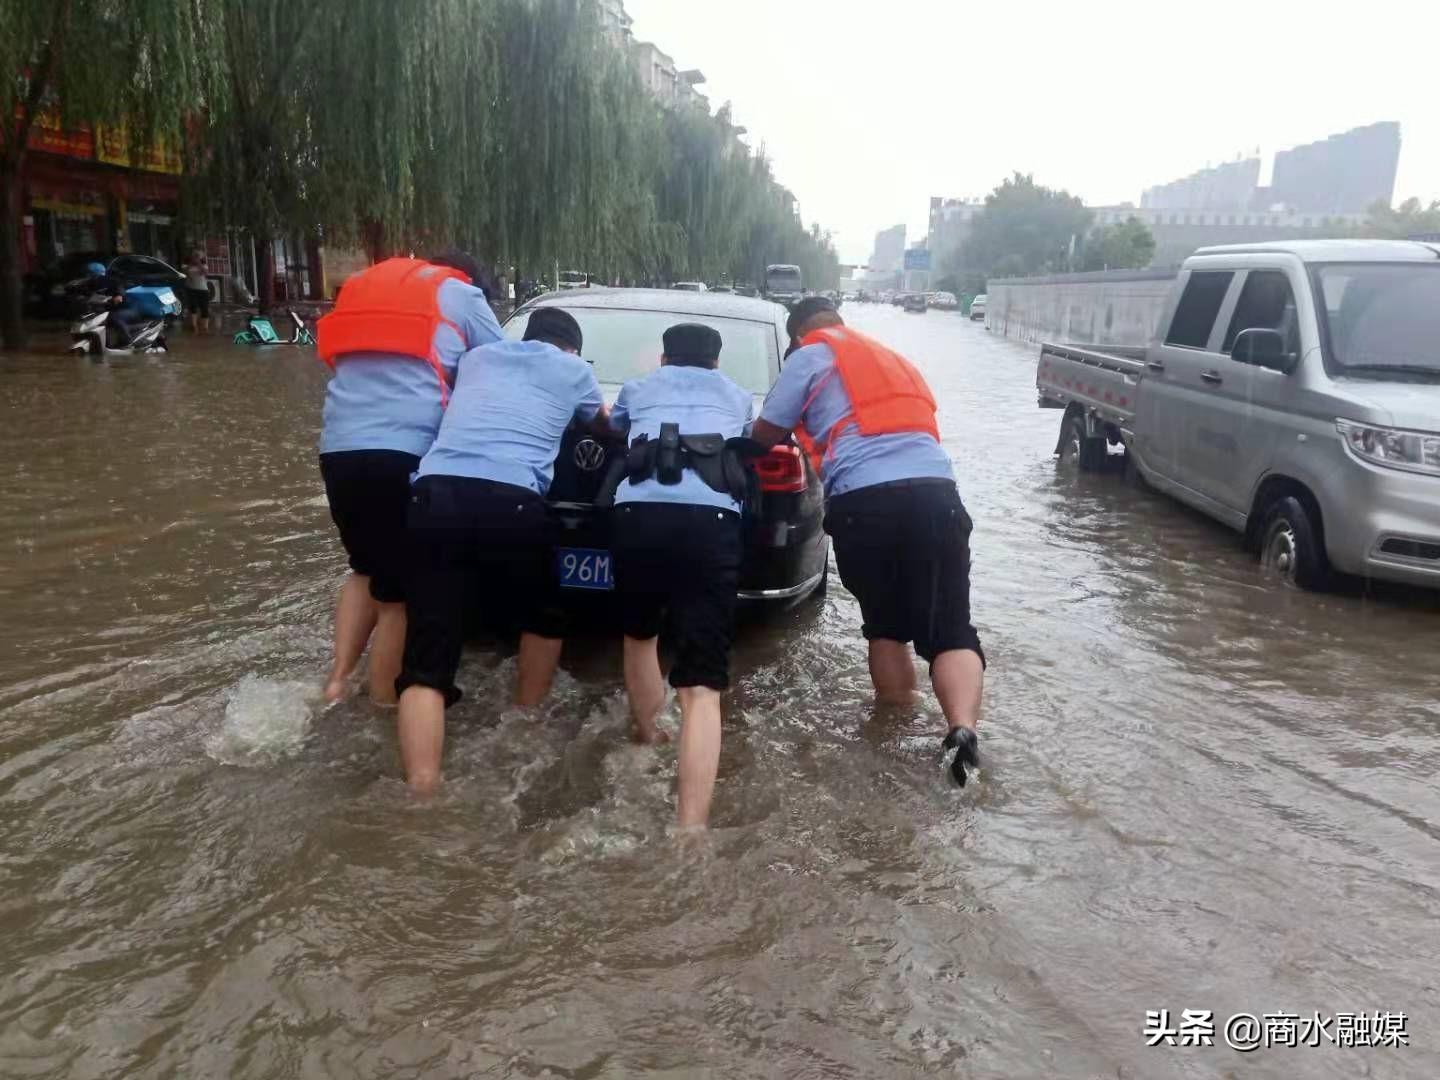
{"x": 901, "y": 533}
{"x": 393, "y": 340}
{"x": 479, "y": 526}
{"x": 676, "y": 543}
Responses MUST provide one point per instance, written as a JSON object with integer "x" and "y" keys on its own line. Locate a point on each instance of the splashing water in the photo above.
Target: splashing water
{"x": 265, "y": 720}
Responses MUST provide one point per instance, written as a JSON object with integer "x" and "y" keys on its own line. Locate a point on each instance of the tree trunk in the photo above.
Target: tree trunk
{"x": 12, "y": 327}
{"x": 266, "y": 285}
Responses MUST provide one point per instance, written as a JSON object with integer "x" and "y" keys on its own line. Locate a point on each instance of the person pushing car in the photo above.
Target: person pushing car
{"x": 394, "y": 339}
{"x": 479, "y": 527}
{"x": 866, "y": 418}
{"x": 675, "y": 536}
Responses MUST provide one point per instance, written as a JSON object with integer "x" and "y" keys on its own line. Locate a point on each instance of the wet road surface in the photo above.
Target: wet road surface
{"x": 1201, "y": 791}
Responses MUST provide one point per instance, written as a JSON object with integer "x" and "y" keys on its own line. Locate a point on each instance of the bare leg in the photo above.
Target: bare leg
{"x": 422, "y": 737}
{"x": 539, "y": 657}
{"x": 699, "y": 753}
{"x": 958, "y": 678}
{"x": 891, "y": 670}
{"x": 355, "y": 614}
{"x": 645, "y": 688}
{"x": 387, "y": 648}
{"x": 193, "y": 320}
{"x": 205, "y": 325}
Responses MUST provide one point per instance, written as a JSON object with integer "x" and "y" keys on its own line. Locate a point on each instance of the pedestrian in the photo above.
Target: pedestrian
{"x": 676, "y": 541}
{"x": 197, "y": 293}
{"x": 393, "y": 339}
{"x": 901, "y": 534}
{"x": 479, "y": 526}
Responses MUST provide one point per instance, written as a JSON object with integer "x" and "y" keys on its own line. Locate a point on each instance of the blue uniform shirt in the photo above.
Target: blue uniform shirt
{"x": 513, "y": 401}
{"x": 702, "y": 401}
{"x": 852, "y": 460}
{"x": 380, "y": 401}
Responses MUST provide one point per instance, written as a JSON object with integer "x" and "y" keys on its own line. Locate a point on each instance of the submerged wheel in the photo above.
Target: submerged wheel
{"x": 1291, "y": 548}
{"x": 1078, "y": 448}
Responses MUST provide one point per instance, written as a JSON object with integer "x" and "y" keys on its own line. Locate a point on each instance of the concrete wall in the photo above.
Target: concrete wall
{"x": 1117, "y": 307}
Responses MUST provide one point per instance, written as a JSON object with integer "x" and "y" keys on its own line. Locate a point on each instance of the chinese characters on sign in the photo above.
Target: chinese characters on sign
{"x": 1246, "y": 1031}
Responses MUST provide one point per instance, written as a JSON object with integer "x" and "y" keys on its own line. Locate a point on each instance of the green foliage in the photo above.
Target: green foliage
{"x": 1410, "y": 218}
{"x": 1127, "y": 245}
{"x": 1025, "y": 228}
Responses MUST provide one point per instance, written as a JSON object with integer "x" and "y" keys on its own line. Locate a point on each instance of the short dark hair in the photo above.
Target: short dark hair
{"x": 554, "y": 326}
{"x": 692, "y": 345}
{"x": 805, "y": 310}
{"x": 468, "y": 265}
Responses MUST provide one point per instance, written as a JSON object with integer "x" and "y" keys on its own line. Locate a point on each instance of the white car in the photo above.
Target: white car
{"x": 977, "y": 308}
{"x": 690, "y": 286}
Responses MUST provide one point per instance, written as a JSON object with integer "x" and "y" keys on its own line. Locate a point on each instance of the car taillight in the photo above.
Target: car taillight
{"x": 782, "y": 469}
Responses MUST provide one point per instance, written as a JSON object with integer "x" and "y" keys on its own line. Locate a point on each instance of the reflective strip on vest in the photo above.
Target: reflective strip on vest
{"x": 392, "y": 307}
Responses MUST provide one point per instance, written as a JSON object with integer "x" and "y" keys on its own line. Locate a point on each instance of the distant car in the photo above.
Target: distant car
{"x": 574, "y": 279}
{"x": 915, "y": 302}
{"x": 722, "y": 289}
{"x": 944, "y": 301}
{"x": 744, "y": 289}
{"x": 690, "y": 286}
{"x": 786, "y": 549}
{"x": 977, "y": 308}
{"x": 57, "y": 291}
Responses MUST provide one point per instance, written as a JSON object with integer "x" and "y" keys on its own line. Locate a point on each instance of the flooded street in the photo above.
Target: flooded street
{"x": 1200, "y": 791}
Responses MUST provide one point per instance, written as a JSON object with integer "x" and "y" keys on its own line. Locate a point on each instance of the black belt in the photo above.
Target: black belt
{"x": 912, "y": 482}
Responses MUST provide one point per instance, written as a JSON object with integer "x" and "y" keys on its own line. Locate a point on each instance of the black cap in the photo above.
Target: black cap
{"x": 805, "y": 310}
{"x": 555, "y": 326}
{"x": 692, "y": 343}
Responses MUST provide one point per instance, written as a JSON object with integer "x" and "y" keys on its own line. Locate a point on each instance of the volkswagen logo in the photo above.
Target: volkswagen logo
{"x": 589, "y": 455}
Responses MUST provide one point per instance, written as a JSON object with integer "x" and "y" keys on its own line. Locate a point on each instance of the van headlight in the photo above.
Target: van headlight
{"x": 1413, "y": 451}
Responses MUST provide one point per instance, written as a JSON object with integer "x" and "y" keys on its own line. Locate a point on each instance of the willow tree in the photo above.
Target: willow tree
{"x": 318, "y": 115}
{"x": 89, "y": 62}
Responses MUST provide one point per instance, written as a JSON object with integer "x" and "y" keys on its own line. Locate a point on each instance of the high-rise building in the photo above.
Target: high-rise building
{"x": 1344, "y": 174}
{"x": 889, "y": 250}
{"x": 949, "y": 224}
{"x": 1225, "y": 187}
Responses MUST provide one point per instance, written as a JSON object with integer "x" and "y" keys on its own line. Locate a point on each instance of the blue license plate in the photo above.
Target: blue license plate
{"x": 584, "y": 568}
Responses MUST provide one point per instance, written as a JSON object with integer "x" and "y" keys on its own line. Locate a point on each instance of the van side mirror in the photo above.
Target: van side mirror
{"x": 1264, "y": 348}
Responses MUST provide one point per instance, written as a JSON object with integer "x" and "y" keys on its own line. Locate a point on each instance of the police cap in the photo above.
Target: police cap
{"x": 693, "y": 344}
{"x": 555, "y": 326}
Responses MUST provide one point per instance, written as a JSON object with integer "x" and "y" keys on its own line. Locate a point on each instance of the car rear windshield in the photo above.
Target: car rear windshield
{"x": 1381, "y": 318}
{"x": 626, "y": 344}
{"x": 569, "y": 276}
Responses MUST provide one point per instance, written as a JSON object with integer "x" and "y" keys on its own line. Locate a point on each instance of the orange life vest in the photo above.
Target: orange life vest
{"x": 391, "y": 307}
{"x": 887, "y": 395}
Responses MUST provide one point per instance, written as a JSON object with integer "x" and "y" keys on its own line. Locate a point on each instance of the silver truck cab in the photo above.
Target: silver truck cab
{"x": 1293, "y": 392}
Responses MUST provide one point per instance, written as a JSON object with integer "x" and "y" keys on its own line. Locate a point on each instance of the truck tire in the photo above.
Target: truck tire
{"x": 1078, "y": 448}
{"x": 1291, "y": 547}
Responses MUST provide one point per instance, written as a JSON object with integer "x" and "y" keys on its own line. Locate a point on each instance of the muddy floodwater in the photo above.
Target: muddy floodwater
{"x": 1200, "y": 790}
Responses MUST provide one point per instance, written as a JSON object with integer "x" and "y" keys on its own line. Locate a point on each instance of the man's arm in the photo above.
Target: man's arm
{"x": 592, "y": 413}
{"x": 785, "y": 404}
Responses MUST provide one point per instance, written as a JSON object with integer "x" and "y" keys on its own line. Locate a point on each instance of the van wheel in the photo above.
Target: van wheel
{"x": 1290, "y": 545}
{"x": 1079, "y": 449}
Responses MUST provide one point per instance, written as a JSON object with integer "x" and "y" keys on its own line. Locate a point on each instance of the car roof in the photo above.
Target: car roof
{"x": 672, "y": 301}
{"x": 1333, "y": 250}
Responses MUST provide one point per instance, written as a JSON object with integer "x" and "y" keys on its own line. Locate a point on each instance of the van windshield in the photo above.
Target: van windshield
{"x": 1382, "y": 319}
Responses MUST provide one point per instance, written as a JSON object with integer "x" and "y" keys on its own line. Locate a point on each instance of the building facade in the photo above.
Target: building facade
{"x": 889, "y": 250}
{"x": 1346, "y": 173}
{"x": 1225, "y": 187}
{"x": 950, "y": 221}
{"x": 1179, "y": 232}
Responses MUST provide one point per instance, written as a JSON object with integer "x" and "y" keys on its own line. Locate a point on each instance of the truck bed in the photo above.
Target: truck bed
{"x": 1102, "y": 380}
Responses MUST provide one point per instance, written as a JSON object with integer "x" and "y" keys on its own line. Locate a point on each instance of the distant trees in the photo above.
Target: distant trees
{"x": 1025, "y": 228}
{"x": 1126, "y": 245}
{"x": 1410, "y": 218}
{"x": 510, "y": 127}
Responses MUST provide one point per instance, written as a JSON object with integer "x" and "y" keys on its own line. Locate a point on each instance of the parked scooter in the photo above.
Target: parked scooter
{"x": 93, "y": 334}
{"x": 260, "y": 331}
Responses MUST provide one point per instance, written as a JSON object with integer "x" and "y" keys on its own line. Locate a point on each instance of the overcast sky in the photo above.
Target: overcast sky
{"x": 869, "y": 108}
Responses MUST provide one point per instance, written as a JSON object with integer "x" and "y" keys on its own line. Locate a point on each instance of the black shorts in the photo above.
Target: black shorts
{"x": 369, "y": 494}
{"x": 677, "y": 568}
{"x": 903, "y": 550}
{"x": 198, "y": 301}
{"x": 470, "y": 539}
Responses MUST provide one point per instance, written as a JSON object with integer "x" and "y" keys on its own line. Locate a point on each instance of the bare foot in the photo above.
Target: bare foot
{"x": 655, "y": 736}
{"x": 334, "y": 690}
